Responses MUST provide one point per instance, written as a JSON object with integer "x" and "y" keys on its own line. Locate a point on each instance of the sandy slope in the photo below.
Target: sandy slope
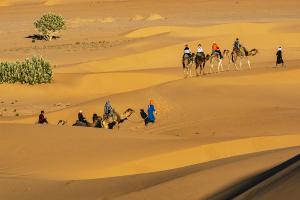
{"x": 211, "y": 132}
{"x": 62, "y": 172}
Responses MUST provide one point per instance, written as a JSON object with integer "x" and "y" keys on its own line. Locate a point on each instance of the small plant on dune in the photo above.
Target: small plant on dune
{"x": 31, "y": 71}
{"x": 49, "y": 25}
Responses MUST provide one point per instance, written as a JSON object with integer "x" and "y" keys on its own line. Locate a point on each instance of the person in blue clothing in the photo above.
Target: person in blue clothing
{"x": 108, "y": 110}
{"x": 151, "y": 112}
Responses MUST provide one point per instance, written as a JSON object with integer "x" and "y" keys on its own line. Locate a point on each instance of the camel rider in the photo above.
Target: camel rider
{"x": 200, "y": 51}
{"x": 187, "y": 51}
{"x": 108, "y": 110}
{"x": 237, "y": 45}
{"x": 216, "y": 49}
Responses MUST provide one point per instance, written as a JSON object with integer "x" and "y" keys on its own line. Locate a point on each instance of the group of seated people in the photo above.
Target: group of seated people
{"x": 109, "y": 112}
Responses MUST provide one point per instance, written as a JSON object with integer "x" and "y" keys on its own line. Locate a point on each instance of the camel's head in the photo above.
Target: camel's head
{"x": 207, "y": 57}
{"x": 128, "y": 113}
{"x": 253, "y": 52}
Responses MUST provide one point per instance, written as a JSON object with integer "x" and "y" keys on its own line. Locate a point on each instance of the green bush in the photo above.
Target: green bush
{"x": 31, "y": 71}
{"x": 49, "y": 25}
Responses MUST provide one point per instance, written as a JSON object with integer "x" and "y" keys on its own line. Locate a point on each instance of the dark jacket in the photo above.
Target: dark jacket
{"x": 81, "y": 117}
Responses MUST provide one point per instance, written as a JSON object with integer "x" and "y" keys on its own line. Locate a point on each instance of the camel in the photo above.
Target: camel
{"x": 187, "y": 63}
{"x": 215, "y": 58}
{"x": 200, "y": 61}
{"x": 108, "y": 122}
{"x": 111, "y": 121}
{"x": 242, "y": 54}
{"x": 226, "y": 54}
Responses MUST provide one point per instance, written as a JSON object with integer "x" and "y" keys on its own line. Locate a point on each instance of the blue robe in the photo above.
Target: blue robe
{"x": 151, "y": 111}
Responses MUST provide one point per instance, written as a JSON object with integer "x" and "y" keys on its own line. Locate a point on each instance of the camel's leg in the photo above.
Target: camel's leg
{"x": 212, "y": 68}
{"x": 248, "y": 61}
{"x": 221, "y": 65}
{"x": 240, "y": 64}
{"x": 184, "y": 72}
{"x": 229, "y": 62}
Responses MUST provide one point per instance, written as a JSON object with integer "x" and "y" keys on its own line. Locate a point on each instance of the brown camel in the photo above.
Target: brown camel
{"x": 242, "y": 54}
{"x": 187, "y": 63}
{"x": 200, "y": 60}
{"x": 215, "y": 58}
{"x": 227, "y": 55}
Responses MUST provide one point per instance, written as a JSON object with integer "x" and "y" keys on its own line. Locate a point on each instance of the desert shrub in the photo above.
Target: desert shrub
{"x": 32, "y": 71}
{"x": 49, "y": 25}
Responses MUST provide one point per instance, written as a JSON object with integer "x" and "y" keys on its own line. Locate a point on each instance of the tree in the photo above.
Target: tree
{"x": 49, "y": 25}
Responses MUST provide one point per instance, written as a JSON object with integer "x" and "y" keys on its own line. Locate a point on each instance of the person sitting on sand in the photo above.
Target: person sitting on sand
{"x": 108, "y": 109}
{"x": 81, "y": 118}
{"x": 151, "y": 112}
{"x": 187, "y": 51}
{"x": 200, "y": 51}
{"x": 216, "y": 49}
{"x": 279, "y": 59}
{"x": 42, "y": 119}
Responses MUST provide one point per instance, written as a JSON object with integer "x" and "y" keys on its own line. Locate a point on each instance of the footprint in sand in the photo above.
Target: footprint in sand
{"x": 137, "y": 18}
{"x": 155, "y": 17}
{"x": 107, "y": 20}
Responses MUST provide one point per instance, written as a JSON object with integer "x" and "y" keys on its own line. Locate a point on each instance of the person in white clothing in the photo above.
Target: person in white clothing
{"x": 187, "y": 51}
{"x": 200, "y": 51}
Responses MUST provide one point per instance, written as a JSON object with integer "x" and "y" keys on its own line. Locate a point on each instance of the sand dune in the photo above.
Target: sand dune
{"x": 50, "y": 163}
{"x": 94, "y": 162}
{"x": 212, "y": 132}
{"x": 150, "y": 58}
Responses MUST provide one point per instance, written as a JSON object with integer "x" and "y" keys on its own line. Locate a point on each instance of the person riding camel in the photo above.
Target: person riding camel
{"x": 108, "y": 109}
{"x": 200, "y": 51}
{"x": 81, "y": 118}
{"x": 237, "y": 45}
{"x": 216, "y": 49}
{"x": 187, "y": 51}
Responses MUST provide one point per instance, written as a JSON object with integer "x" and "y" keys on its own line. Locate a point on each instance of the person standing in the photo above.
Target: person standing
{"x": 151, "y": 112}
{"x": 279, "y": 59}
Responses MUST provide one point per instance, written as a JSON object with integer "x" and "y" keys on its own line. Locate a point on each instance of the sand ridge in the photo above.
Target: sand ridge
{"x": 216, "y": 129}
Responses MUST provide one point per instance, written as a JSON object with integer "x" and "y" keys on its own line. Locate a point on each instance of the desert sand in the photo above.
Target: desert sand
{"x": 212, "y": 132}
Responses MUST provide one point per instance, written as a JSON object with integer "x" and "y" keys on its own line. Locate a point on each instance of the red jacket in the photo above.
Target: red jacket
{"x": 215, "y": 47}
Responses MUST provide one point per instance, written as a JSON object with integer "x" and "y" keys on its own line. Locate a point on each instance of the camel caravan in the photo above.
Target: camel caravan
{"x": 237, "y": 56}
